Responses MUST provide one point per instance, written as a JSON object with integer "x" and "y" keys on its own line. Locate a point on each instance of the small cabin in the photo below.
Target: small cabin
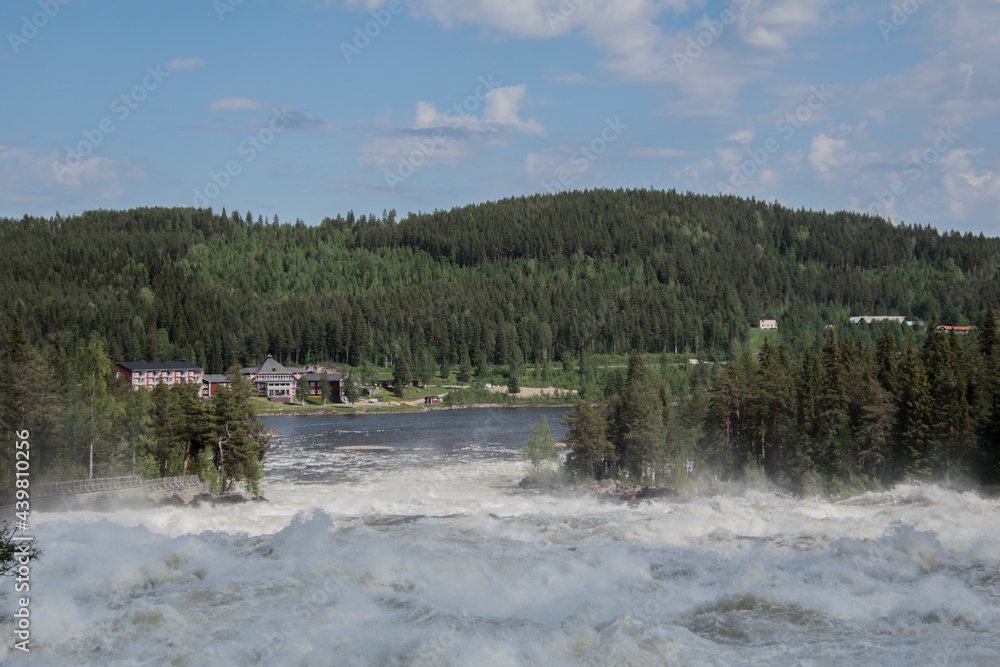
{"x": 432, "y": 399}
{"x": 768, "y": 322}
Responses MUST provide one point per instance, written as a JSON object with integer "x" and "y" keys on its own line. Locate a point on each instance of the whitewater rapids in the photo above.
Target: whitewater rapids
{"x": 417, "y": 560}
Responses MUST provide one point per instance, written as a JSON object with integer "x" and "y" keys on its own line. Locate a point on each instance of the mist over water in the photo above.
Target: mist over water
{"x": 429, "y": 555}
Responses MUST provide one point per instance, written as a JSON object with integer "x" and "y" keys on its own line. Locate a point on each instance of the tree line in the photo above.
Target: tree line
{"x": 849, "y": 418}
{"x": 525, "y": 281}
{"x": 85, "y": 422}
{"x": 537, "y": 279}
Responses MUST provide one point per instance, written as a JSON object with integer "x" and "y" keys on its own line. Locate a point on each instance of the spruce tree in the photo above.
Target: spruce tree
{"x": 886, "y": 360}
{"x": 914, "y": 427}
{"x": 401, "y": 374}
{"x": 591, "y": 454}
{"x": 832, "y": 420}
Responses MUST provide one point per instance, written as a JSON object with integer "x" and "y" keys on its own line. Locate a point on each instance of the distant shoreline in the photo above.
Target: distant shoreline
{"x": 418, "y": 410}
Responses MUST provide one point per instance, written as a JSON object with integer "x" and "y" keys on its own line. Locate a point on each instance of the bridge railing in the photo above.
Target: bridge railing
{"x": 49, "y": 489}
{"x": 172, "y": 483}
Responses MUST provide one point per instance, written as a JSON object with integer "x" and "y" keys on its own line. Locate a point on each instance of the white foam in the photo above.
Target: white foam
{"x": 345, "y": 573}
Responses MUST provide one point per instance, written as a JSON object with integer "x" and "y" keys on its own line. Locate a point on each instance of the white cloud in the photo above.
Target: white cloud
{"x": 188, "y": 64}
{"x": 234, "y": 104}
{"x": 502, "y": 106}
{"x": 651, "y": 152}
{"x": 744, "y": 136}
{"x": 826, "y": 153}
{"x": 967, "y": 185}
{"x": 31, "y": 174}
{"x": 693, "y": 171}
{"x": 538, "y": 166}
{"x": 572, "y": 78}
{"x": 436, "y": 137}
{"x": 636, "y": 44}
{"x": 764, "y": 38}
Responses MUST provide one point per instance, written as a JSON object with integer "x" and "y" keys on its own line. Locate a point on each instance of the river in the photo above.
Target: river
{"x": 429, "y": 554}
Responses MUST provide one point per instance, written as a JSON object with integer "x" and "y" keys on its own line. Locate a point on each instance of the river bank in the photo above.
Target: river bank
{"x": 289, "y": 410}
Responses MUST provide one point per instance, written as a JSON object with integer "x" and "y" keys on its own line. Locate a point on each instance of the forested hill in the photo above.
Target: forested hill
{"x": 545, "y": 275}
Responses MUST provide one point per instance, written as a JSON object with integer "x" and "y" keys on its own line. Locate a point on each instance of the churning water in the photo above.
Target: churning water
{"x": 430, "y": 555}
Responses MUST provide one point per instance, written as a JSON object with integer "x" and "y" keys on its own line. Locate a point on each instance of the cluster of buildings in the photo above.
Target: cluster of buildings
{"x": 270, "y": 379}
{"x": 870, "y": 319}
{"x": 769, "y": 322}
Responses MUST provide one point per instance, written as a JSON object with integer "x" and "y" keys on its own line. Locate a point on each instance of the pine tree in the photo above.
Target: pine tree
{"x": 886, "y": 360}
{"x": 591, "y": 454}
{"x": 635, "y": 423}
{"x": 541, "y": 446}
{"x": 324, "y": 385}
{"x": 774, "y": 401}
{"x": 875, "y": 428}
{"x": 350, "y": 387}
{"x": 913, "y": 420}
{"x": 988, "y": 397}
{"x": 804, "y": 456}
{"x": 302, "y": 389}
{"x": 369, "y": 376}
{"x": 832, "y": 420}
{"x": 241, "y": 440}
{"x": 194, "y": 422}
{"x": 92, "y": 408}
{"x": 401, "y": 374}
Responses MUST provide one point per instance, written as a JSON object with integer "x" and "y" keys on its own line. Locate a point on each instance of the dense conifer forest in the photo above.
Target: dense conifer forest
{"x": 538, "y": 280}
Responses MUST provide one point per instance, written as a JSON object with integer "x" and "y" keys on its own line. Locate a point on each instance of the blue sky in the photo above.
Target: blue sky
{"x": 304, "y": 109}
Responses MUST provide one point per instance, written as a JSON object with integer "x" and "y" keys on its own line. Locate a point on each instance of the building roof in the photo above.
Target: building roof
{"x": 214, "y": 378}
{"x": 181, "y": 365}
{"x": 317, "y": 377}
{"x": 271, "y": 365}
{"x": 868, "y": 319}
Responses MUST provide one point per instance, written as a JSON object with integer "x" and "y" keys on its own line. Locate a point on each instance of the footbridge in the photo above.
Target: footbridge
{"x": 106, "y": 494}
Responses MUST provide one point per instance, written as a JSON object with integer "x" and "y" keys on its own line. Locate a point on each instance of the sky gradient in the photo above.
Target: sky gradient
{"x": 306, "y": 109}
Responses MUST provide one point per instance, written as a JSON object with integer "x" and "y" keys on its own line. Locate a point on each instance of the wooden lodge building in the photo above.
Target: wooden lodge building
{"x": 270, "y": 378}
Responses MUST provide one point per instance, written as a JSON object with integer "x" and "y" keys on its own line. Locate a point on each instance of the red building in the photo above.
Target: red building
{"x": 958, "y": 330}
{"x": 148, "y": 374}
{"x": 332, "y": 389}
{"x": 210, "y": 382}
